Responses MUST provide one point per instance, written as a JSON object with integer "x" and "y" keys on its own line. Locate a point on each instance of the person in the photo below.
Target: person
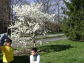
{"x": 7, "y": 52}
{"x": 3, "y": 37}
{"x": 34, "y": 57}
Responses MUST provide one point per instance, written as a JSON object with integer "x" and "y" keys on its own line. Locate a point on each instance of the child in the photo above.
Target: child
{"x": 7, "y": 52}
{"x": 34, "y": 57}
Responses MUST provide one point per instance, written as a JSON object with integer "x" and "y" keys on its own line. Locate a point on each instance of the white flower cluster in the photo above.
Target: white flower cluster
{"x": 29, "y": 19}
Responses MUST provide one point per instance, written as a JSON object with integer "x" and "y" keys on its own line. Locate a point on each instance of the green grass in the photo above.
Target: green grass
{"x": 62, "y": 51}
{"x": 22, "y": 59}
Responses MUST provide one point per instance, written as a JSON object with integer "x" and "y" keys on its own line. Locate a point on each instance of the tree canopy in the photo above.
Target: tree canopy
{"x": 73, "y": 24}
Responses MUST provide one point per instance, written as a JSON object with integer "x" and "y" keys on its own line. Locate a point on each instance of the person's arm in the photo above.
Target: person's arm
{"x": 38, "y": 59}
{"x": 31, "y": 58}
{"x": 2, "y": 48}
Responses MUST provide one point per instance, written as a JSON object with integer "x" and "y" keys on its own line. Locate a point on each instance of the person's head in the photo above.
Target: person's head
{"x": 34, "y": 51}
{"x": 8, "y": 42}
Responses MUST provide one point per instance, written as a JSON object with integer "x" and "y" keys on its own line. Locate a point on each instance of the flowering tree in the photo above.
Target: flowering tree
{"x": 30, "y": 20}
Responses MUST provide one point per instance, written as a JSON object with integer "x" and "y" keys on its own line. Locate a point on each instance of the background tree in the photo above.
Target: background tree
{"x": 52, "y": 7}
{"x": 73, "y": 24}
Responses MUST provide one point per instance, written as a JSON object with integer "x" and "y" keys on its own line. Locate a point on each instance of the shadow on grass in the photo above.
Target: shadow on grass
{"x": 22, "y": 59}
{"x": 54, "y": 48}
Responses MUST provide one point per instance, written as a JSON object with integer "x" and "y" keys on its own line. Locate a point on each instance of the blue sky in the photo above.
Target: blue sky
{"x": 53, "y": 1}
{"x": 32, "y": 1}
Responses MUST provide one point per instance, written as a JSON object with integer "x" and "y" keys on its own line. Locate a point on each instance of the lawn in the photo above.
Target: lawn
{"x": 61, "y": 51}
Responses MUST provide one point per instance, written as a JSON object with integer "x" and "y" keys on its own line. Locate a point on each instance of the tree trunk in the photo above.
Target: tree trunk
{"x": 33, "y": 39}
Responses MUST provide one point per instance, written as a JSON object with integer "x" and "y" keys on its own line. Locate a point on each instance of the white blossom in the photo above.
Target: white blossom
{"x": 29, "y": 19}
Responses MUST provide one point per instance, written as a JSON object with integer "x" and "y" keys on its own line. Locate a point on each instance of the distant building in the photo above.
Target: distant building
{"x": 4, "y": 15}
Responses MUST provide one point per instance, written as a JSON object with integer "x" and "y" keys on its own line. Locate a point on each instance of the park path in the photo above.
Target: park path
{"x": 51, "y": 35}
{"x": 41, "y": 36}
{"x": 51, "y": 39}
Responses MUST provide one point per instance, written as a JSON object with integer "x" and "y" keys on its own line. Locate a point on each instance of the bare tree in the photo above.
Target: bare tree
{"x": 52, "y": 7}
{"x": 4, "y": 15}
{"x": 20, "y": 2}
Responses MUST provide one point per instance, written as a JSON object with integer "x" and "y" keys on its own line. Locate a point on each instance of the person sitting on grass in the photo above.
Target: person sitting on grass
{"x": 34, "y": 57}
{"x": 7, "y": 51}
